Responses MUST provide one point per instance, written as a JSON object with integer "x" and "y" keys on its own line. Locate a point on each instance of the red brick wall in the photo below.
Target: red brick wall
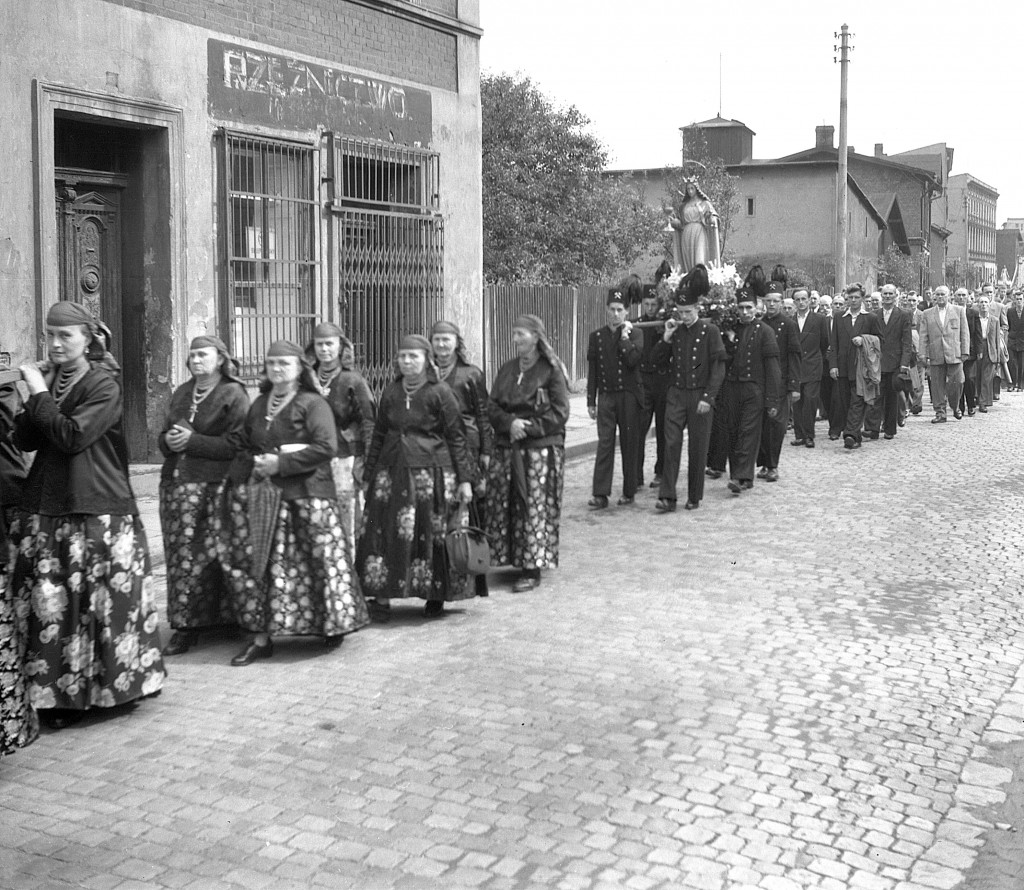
{"x": 346, "y": 34}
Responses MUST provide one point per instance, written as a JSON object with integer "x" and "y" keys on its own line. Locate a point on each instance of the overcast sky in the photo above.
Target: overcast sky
{"x": 920, "y": 73}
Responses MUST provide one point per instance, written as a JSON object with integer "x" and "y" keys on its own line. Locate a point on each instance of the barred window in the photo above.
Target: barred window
{"x": 390, "y": 247}
{"x": 271, "y": 235}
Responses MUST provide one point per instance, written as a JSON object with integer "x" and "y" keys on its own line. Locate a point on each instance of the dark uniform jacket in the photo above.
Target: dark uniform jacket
{"x": 755, "y": 358}
{"x": 422, "y": 430}
{"x": 470, "y": 390}
{"x": 897, "y": 340}
{"x": 813, "y": 347}
{"x": 539, "y": 395}
{"x": 305, "y": 420}
{"x": 842, "y": 353}
{"x": 208, "y": 453}
{"x": 788, "y": 335}
{"x": 613, "y": 363}
{"x": 1015, "y": 335}
{"x": 81, "y": 463}
{"x": 649, "y": 340}
{"x": 694, "y": 358}
{"x": 354, "y": 412}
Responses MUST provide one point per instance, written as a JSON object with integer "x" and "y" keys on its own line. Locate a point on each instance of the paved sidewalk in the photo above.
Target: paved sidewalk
{"x": 807, "y": 686}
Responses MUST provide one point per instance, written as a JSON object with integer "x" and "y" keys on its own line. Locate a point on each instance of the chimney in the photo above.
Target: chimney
{"x": 824, "y": 136}
{"x": 879, "y": 151}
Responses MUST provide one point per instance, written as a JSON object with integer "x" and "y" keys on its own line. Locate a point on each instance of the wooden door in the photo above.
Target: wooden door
{"x": 89, "y": 216}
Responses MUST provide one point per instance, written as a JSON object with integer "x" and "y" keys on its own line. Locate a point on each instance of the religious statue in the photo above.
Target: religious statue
{"x": 695, "y": 236}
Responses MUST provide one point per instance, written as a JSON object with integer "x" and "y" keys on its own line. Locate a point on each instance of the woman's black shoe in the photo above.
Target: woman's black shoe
{"x": 380, "y": 611}
{"x": 181, "y": 641}
{"x": 333, "y": 642}
{"x": 251, "y": 652}
{"x": 434, "y": 608}
{"x": 60, "y": 718}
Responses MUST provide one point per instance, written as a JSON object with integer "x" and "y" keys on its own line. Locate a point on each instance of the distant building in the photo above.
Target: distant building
{"x": 732, "y": 141}
{"x": 1009, "y": 250}
{"x": 972, "y": 221}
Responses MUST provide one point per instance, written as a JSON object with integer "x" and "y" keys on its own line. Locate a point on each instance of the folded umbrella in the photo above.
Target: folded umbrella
{"x": 263, "y": 506}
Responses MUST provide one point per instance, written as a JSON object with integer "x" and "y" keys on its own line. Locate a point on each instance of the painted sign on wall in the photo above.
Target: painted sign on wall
{"x": 255, "y": 87}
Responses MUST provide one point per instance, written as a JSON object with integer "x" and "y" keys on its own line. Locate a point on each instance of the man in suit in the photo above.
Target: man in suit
{"x": 945, "y": 344}
{"x": 969, "y": 395}
{"x": 813, "y": 336}
{"x": 1015, "y": 339}
{"x": 912, "y": 400}
{"x": 896, "y": 348}
{"x": 997, "y": 312}
{"x": 614, "y": 395}
{"x": 773, "y": 429}
{"x": 836, "y": 409}
{"x": 845, "y": 344}
{"x": 988, "y": 352}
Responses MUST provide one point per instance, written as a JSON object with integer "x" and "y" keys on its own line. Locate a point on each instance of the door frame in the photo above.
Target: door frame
{"x": 51, "y": 98}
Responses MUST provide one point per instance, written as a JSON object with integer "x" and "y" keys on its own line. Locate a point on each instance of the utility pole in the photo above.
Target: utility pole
{"x": 841, "y": 186}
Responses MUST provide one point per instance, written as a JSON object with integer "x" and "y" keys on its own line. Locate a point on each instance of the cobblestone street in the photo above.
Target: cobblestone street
{"x": 806, "y": 686}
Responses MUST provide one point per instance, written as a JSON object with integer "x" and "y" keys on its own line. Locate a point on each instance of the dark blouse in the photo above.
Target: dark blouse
{"x": 426, "y": 432}
{"x": 207, "y": 456}
{"x": 81, "y": 463}
{"x": 13, "y": 468}
{"x": 540, "y": 395}
{"x": 467, "y": 383}
{"x": 306, "y": 420}
{"x": 354, "y": 412}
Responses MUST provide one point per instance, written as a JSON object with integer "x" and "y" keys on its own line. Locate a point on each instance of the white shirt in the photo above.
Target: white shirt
{"x": 984, "y": 326}
{"x": 942, "y": 316}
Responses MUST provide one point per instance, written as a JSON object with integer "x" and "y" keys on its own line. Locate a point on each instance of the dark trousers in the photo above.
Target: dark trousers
{"x": 825, "y": 396}
{"x": 805, "y": 411}
{"x": 852, "y": 407}
{"x": 652, "y": 408}
{"x": 741, "y": 410}
{"x": 616, "y": 410}
{"x": 840, "y": 406}
{"x": 969, "y": 394}
{"x": 773, "y": 434}
{"x": 680, "y": 414}
{"x": 884, "y": 411}
{"x": 1017, "y": 367}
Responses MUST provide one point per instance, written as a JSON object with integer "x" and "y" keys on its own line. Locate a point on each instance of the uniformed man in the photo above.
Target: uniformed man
{"x": 753, "y": 383}
{"x": 613, "y": 399}
{"x": 692, "y": 355}
{"x": 655, "y": 389}
{"x": 773, "y": 429}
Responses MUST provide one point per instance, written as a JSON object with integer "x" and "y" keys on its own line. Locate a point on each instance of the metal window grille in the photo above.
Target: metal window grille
{"x": 385, "y": 176}
{"x": 390, "y": 243}
{"x": 271, "y": 234}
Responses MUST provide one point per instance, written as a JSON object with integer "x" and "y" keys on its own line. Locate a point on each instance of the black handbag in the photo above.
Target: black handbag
{"x": 469, "y": 551}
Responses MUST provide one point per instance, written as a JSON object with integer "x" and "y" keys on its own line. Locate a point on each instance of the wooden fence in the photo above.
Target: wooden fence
{"x": 568, "y": 313}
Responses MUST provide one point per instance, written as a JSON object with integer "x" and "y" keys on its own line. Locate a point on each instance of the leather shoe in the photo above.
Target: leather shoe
{"x": 833, "y": 438}
{"x": 624, "y": 501}
{"x": 180, "y": 642}
{"x": 713, "y": 474}
{"x": 60, "y": 718}
{"x": 433, "y": 608}
{"x": 939, "y": 419}
{"x": 692, "y": 505}
{"x": 522, "y": 585}
{"x": 333, "y": 642}
{"x": 810, "y": 443}
{"x": 889, "y": 436}
{"x": 983, "y": 409}
{"x": 598, "y": 502}
{"x": 798, "y": 442}
{"x": 971, "y": 412}
{"x": 656, "y": 482}
{"x": 958, "y": 415}
{"x": 664, "y": 505}
{"x": 901, "y": 422}
{"x": 871, "y": 434}
{"x": 849, "y": 441}
{"x": 772, "y": 475}
{"x": 763, "y": 473}
{"x": 251, "y": 652}
{"x": 734, "y": 486}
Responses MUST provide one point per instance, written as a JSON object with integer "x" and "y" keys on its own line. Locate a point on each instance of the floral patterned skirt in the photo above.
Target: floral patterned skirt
{"x": 308, "y": 587}
{"x": 402, "y": 547}
{"x": 192, "y": 518}
{"x": 92, "y": 625}
{"x": 350, "y": 499}
{"x": 18, "y": 722}
{"x": 525, "y": 535}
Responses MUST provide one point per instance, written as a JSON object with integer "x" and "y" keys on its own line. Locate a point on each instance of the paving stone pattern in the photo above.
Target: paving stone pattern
{"x": 802, "y": 687}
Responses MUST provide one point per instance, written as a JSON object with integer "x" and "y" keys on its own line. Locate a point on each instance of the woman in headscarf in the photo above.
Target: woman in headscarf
{"x": 466, "y": 381}
{"x": 333, "y": 359}
{"x": 195, "y": 442}
{"x": 417, "y": 467}
{"x": 82, "y": 555}
{"x": 290, "y": 570}
{"x": 529, "y": 407}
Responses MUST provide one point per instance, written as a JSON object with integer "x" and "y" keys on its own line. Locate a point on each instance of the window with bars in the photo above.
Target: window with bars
{"x": 390, "y": 247}
{"x": 271, "y": 235}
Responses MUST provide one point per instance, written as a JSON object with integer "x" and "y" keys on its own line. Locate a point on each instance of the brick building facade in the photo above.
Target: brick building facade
{"x": 186, "y": 166}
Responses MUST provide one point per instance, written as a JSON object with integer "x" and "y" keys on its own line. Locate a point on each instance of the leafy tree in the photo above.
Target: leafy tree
{"x": 549, "y": 217}
{"x": 896, "y": 267}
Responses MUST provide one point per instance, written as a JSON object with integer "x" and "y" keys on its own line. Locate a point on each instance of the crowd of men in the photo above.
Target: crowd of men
{"x": 855, "y": 361}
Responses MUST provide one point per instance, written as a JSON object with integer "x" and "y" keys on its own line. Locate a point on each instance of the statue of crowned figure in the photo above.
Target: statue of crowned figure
{"x": 695, "y": 230}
